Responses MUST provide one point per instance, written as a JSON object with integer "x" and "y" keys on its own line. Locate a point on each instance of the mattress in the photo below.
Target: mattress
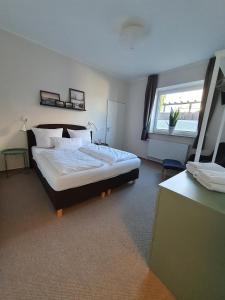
{"x": 76, "y": 179}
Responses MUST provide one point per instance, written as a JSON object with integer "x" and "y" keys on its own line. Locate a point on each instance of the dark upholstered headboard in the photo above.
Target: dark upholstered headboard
{"x": 32, "y": 141}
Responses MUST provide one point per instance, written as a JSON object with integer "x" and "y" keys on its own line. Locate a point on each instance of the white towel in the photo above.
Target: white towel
{"x": 190, "y": 169}
{"x": 217, "y": 177}
{"x": 212, "y": 186}
{"x": 194, "y": 167}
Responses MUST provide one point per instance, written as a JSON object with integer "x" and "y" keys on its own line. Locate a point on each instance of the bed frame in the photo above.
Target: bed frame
{"x": 66, "y": 198}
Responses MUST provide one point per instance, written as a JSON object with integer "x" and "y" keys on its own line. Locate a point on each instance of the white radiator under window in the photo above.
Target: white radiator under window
{"x": 160, "y": 150}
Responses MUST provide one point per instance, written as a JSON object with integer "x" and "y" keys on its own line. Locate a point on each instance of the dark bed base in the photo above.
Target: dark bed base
{"x": 66, "y": 198}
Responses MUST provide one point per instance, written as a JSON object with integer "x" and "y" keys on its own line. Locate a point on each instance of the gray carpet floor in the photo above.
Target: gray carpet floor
{"x": 98, "y": 250}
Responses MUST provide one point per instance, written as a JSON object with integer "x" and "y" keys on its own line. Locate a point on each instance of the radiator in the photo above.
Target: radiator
{"x": 159, "y": 150}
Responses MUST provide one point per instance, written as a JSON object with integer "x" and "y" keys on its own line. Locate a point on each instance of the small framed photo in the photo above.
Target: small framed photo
{"x": 77, "y": 98}
{"x": 49, "y": 98}
{"x": 68, "y": 104}
{"x": 60, "y": 103}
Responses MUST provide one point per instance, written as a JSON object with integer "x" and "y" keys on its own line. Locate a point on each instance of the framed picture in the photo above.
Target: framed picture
{"x": 77, "y": 98}
{"x": 49, "y": 98}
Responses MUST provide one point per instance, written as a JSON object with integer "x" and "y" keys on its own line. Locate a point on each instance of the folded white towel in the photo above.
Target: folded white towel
{"x": 190, "y": 169}
{"x": 217, "y": 177}
{"x": 194, "y": 167}
{"x": 212, "y": 186}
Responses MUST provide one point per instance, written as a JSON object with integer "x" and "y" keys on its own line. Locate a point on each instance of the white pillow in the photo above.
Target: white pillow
{"x": 66, "y": 143}
{"x": 84, "y": 135}
{"x": 43, "y": 136}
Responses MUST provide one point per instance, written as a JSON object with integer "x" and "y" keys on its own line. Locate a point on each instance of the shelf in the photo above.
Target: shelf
{"x": 62, "y": 107}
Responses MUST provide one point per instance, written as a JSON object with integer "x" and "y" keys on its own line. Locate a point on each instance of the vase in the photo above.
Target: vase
{"x": 171, "y": 129}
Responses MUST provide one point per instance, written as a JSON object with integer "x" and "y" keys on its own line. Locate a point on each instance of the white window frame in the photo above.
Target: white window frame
{"x": 190, "y": 86}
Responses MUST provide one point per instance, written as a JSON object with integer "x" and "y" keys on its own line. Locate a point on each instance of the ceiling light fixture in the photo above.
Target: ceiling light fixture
{"x": 132, "y": 33}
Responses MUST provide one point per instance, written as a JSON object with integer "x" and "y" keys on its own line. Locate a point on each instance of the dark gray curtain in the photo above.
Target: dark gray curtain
{"x": 223, "y": 98}
{"x": 215, "y": 98}
{"x": 149, "y": 100}
{"x": 208, "y": 77}
{"x": 221, "y": 86}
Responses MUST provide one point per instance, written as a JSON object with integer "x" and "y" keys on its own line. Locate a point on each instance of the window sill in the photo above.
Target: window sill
{"x": 175, "y": 134}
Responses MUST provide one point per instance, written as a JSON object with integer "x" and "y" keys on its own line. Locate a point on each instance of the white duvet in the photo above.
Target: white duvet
{"x": 107, "y": 154}
{"x": 67, "y": 161}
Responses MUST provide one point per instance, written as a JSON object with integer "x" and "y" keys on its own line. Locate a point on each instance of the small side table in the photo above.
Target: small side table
{"x": 101, "y": 144}
{"x": 14, "y": 151}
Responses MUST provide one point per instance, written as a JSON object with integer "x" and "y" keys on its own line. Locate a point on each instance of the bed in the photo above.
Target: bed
{"x": 65, "y": 191}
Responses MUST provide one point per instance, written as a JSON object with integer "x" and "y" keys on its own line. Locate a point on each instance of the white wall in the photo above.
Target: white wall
{"x": 26, "y": 68}
{"x": 135, "y": 107}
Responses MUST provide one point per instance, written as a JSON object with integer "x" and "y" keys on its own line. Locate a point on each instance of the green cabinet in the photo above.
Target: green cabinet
{"x": 188, "y": 245}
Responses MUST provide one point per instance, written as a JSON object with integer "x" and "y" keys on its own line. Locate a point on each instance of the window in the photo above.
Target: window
{"x": 186, "y": 98}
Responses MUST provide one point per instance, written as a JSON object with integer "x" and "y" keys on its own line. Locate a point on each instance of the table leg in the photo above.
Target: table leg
{"x": 27, "y": 161}
{"x": 6, "y": 166}
{"x": 24, "y": 160}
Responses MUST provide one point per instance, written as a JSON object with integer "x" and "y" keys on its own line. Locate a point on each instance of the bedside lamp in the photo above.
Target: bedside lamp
{"x": 91, "y": 125}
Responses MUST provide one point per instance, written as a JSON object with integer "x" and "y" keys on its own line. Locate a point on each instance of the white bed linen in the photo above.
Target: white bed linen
{"x": 67, "y": 161}
{"x": 43, "y": 136}
{"x": 107, "y": 154}
{"x": 63, "y": 182}
{"x": 65, "y": 143}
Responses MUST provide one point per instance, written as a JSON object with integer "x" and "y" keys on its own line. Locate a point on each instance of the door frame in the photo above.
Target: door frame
{"x": 107, "y": 110}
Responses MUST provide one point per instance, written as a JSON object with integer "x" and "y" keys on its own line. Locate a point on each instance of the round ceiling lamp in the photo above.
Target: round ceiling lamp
{"x": 132, "y": 34}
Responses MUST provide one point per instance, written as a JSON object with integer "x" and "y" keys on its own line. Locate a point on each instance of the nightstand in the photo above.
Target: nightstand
{"x": 14, "y": 151}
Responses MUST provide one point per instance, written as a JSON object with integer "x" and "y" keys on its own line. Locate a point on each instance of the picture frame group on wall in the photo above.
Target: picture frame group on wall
{"x": 76, "y": 99}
